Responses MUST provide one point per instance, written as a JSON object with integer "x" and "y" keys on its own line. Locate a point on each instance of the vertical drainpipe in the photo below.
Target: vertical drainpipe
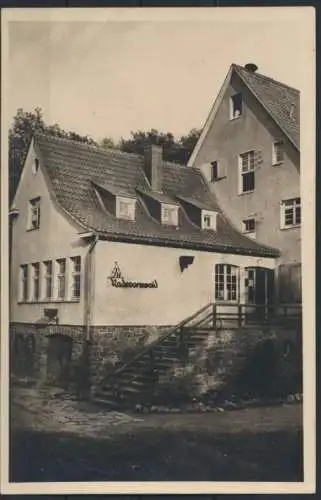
{"x": 88, "y": 293}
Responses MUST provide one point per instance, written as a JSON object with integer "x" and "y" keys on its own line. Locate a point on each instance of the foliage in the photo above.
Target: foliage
{"x": 177, "y": 151}
{"x": 25, "y": 124}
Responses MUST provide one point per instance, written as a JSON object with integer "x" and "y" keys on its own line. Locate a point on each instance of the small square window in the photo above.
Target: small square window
{"x": 249, "y": 225}
{"x": 235, "y": 106}
{"x": 126, "y": 209}
{"x": 291, "y": 213}
{"x": 169, "y": 215}
{"x": 278, "y": 153}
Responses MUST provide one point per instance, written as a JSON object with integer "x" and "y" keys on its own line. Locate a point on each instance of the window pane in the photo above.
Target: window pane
{"x": 76, "y": 264}
{"x": 298, "y": 215}
{"x": 248, "y": 182}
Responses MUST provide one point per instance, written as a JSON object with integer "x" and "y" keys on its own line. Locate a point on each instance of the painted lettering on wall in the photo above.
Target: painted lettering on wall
{"x": 118, "y": 281}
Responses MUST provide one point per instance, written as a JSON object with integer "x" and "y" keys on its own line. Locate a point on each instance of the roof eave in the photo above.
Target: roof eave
{"x": 270, "y": 253}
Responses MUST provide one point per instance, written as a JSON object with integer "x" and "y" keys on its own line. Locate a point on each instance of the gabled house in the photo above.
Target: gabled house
{"x": 106, "y": 244}
{"x": 249, "y": 151}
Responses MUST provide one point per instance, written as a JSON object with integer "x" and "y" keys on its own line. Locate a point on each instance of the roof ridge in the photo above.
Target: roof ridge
{"x": 85, "y": 145}
{"x": 241, "y": 68}
{"x": 100, "y": 148}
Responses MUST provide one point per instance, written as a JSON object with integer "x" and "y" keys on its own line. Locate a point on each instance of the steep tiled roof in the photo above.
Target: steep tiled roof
{"x": 280, "y": 101}
{"x": 73, "y": 167}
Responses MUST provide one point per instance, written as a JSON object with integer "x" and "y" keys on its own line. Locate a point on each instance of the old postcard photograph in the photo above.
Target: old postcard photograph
{"x": 158, "y": 259}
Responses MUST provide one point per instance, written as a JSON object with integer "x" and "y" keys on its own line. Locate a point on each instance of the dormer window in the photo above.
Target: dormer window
{"x": 125, "y": 208}
{"x": 235, "y": 106}
{"x": 169, "y": 214}
{"x": 208, "y": 220}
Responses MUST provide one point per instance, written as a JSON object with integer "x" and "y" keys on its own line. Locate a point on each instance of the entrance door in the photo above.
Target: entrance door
{"x": 259, "y": 287}
{"x": 58, "y": 359}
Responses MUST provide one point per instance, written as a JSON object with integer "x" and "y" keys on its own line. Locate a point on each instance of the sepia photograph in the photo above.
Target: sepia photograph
{"x": 158, "y": 250}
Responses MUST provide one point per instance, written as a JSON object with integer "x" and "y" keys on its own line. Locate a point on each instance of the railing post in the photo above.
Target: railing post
{"x": 214, "y": 316}
{"x": 239, "y": 315}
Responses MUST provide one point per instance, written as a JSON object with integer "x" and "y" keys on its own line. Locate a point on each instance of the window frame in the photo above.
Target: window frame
{"x": 24, "y": 283}
{"x": 36, "y": 282}
{"x": 130, "y": 204}
{"x": 233, "y": 108}
{"x": 296, "y": 209}
{"x": 250, "y": 169}
{"x": 61, "y": 277}
{"x": 166, "y": 208}
{"x": 48, "y": 278}
{"x": 34, "y": 213}
{"x": 275, "y": 160}
{"x": 75, "y": 278}
{"x": 245, "y": 222}
{"x": 225, "y": 282}
{"x": 212, "y": 216}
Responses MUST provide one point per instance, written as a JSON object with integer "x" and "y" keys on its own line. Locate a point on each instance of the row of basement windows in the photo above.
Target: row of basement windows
{"x": 50, "y": 280}
{"x": 247, "y": 163}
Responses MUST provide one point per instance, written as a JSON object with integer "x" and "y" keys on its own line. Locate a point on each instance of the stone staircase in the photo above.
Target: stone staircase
{"x": 138, "y": 381}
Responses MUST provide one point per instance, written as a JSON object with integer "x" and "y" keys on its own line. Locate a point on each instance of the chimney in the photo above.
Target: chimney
{"x": 154, "y": 166}
{"x": 251, "y": 68}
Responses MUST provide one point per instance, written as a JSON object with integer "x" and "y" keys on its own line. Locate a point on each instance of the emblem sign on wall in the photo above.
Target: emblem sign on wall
{"x": 118, "y": 281}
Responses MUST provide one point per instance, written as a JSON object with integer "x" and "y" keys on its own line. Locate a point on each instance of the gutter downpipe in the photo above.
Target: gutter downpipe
{"x": 88, "y": 289}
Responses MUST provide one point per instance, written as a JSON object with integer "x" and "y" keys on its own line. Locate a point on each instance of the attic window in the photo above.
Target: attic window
{"x": 169, "y": 214}
{"x": 235, "y": 106}
{"x": 35, "y": 166}
{"x": 208, "y": 220}
{"x": 125, "y": 208}
{"x": 277, "y": 153}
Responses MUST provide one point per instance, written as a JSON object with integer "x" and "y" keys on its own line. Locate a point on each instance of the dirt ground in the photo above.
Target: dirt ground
{"x": 70, "y": 440}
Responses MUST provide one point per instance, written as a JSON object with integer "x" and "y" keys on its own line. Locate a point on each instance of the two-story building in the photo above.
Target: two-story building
{"x": 249, "y": 151}
{"x": 106, "y": 244}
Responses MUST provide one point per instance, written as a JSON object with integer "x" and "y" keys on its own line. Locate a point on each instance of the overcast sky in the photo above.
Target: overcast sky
{"x": 108, "y": 78}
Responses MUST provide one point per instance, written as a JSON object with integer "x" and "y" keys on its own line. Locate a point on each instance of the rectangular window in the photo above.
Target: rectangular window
{"x": 208, "y": 220}
{"x": 226, "y": 282}
{"x": 24, "y": 272}
{"x": 169, "y": 215}
{"x": 218, "y": 170}
{"x": 34, "y": 213}
{"x": 48, "y": 279}
{"x": 126, "y": 208}
{"x": 75, "y": 277}
{"x": 249, "y": 226}
{"x": 214, "y": 171}
{"x": 61, "y": 278}
{"x": 247, "y": 167}
{"x": 291, "y": 213}
{"x": 235, "y": 106}
{"x": 36, "y": 281}
{"x": 278, "y": 153}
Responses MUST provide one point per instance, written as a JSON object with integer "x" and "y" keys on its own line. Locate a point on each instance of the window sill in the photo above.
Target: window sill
{"x": 234, "y": 118}
{"x": 32, "y": 229}
{"x": 295, "y": 226}
{"x": 226, "y": 302}
{"x": 218, "y": 178}
{"x": 49, "y": 301}
{"x": 246, "y": 192}
{"x": 277, "y": 164}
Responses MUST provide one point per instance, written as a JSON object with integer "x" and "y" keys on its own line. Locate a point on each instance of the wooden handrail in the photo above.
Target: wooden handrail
{"x": 239, "y": 315}
{"x": 157, "y": 341}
